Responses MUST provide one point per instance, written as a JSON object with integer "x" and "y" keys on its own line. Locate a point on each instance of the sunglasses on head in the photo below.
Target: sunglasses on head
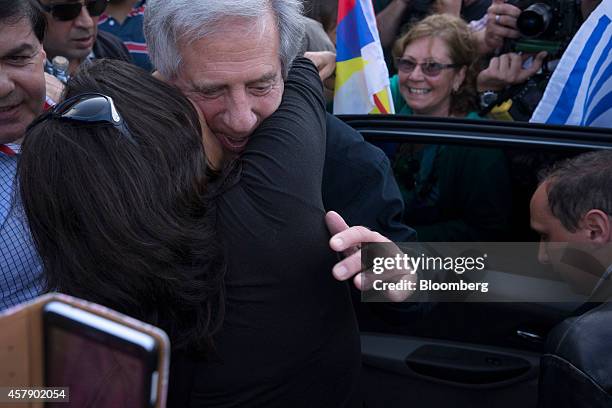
{"x": 71, "y": 10}
{"x": 88, "y": 109}
{"x": 431, "y": 69}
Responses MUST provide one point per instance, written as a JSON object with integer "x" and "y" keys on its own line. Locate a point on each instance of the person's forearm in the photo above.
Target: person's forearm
{"x": 389, "y": 20}
{"x": 483, "y": 47}
{"x": 452, "y": 7}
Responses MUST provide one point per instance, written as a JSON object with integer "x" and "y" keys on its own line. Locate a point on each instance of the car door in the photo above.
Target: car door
{"x": 469, "y": 354}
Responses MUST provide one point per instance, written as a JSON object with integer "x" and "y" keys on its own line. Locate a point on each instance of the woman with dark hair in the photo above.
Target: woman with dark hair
{"x": 126, "y": 221}
{"x": 124, "y": 213}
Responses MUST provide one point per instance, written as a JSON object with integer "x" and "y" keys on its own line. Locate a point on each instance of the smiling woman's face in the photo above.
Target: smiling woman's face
{"x": 429, "y": 95}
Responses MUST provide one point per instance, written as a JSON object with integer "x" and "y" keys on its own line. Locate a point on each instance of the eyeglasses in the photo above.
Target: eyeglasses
{"x": 70, "y": 11}
{"x": 88, "y": 108}
{"x": 430, "y": 69}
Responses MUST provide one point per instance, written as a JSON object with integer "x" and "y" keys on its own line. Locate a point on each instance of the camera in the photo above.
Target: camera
{"x": 545, "y": 25}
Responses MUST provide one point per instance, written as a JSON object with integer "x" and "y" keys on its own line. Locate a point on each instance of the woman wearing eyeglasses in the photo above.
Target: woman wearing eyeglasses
{"x": 234, "y": 266}
{"x": 436, "y": 61}
{"x": 452, "y": 193}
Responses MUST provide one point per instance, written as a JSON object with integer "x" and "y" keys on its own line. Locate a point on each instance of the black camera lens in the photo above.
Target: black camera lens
{"x": 534, "y": 20}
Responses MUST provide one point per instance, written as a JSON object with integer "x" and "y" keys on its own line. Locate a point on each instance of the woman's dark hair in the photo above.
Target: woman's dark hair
{"x": 13, "y": 11}
{"x": 127, "y": 225}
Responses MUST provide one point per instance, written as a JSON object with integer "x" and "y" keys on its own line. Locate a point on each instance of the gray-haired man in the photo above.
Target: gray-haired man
{"x": 230, "y": 57}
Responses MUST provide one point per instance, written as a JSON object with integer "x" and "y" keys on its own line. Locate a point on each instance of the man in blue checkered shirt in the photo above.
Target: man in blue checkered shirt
{"x": 22, "y": 94}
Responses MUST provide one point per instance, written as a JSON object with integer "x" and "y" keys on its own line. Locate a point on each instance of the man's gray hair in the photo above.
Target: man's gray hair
{"x": 578, "y": 185}
{"x": 169, "y": 22}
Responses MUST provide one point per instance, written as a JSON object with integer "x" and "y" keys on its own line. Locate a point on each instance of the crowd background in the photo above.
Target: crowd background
{"x": 205, "y": 225}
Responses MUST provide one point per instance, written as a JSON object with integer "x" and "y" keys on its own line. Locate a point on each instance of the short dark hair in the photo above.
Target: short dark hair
{"x": 13, "y": 11}
{"x": 128, "y": 225}
{"x": 578, "y": 185}
{"x": 323, "y": 11}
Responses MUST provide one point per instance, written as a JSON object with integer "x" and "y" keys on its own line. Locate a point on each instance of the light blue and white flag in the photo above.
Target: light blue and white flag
{"x": 580, "y": 90}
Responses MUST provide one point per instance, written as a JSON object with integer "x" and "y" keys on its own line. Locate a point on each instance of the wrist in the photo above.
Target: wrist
{"x": 488, "y": 98}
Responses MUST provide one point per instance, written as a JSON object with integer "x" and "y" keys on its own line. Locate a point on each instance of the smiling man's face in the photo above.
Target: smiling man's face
{"x": 22, "y": 81}
{"x": 234, "y": 77}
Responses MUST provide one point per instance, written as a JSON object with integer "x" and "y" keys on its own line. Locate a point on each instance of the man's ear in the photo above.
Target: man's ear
{"x": 597, "y": 223}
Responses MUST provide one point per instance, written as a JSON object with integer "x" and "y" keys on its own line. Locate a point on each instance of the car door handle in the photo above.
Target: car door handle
{"x": 465, "y": 366}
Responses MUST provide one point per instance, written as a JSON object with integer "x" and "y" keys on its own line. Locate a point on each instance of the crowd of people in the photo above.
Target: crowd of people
{"x": 182, "y": 166}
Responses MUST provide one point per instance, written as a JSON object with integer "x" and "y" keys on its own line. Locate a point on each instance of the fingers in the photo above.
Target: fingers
{"x": 507, "y": 69}
{"x": 325, "y": 62}
{"x": 505, "y": 21}
{"x": 514, "y": 68}
{"x": 494, "y": 64}
{"x": 354, "y": 236}
{"x": 538, "y": 62}
{"x": 335, "y": 223}
{"x": 348, "y": 267}
{"x": 504, "y": 9}
{"x": 500, "y": 32}
{"x": 501, "y": 23}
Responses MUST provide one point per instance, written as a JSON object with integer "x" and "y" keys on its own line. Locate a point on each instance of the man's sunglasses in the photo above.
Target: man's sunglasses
{"x": 430, "y": 69}
{"x": 88, "y": 109}
{"x": 71, "y": 10}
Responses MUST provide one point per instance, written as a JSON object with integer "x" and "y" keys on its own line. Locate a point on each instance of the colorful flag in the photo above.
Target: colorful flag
{"x": 362, "y": 78}
{"x": 580, "y": 90}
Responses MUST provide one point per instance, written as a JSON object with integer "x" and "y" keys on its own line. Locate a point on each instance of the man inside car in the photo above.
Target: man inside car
{"x": 571, "y": 211}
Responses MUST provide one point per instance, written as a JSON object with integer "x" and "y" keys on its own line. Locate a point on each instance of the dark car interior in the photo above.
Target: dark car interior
{"x": 468, "y": 354}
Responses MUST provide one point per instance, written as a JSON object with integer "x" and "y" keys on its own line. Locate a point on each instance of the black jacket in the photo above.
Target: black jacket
{"x": 358, "y": 183}
{"x": 576, "y": 371}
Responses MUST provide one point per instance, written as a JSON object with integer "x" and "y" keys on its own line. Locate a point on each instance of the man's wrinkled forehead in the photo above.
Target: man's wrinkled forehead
{"x": 238, "y": 47}
{"x": 238, "y": 28}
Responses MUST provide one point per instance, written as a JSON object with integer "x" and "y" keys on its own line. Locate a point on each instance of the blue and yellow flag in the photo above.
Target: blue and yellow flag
{"x": 362, "y": 78}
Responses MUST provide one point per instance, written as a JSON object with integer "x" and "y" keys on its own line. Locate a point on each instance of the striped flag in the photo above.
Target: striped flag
{"x": 362, "y": 78}
{"x": 580, "y": 90}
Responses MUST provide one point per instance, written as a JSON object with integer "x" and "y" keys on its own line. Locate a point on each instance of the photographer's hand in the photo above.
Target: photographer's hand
{"x": 501, "y": 24}
{"x": 506, "y": 70}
